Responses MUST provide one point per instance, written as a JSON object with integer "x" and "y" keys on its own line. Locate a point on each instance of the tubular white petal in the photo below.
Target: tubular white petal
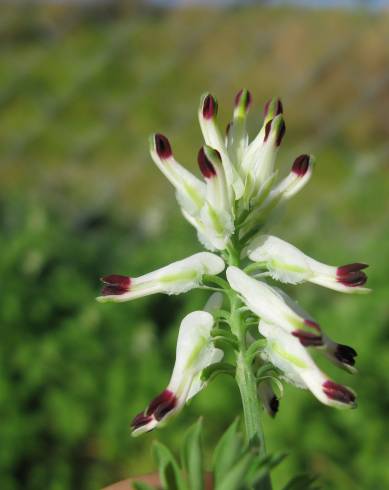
{"x": 175, "y": 278}
{"x": 267, "y": 302}
{"x": 237, "y": 137}
{"x": 212, "y": 137}
{"x": 288, "y": 264}
{"x": 190, "y": 189}
{"x": 195, "y": 351}
{"x": 211, "y": 167}
{"x": 298, "y": 177}
{"x": 289, "y": 356}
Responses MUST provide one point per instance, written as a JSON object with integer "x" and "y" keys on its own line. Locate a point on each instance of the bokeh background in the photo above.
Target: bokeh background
{"x": 82, "y": 85}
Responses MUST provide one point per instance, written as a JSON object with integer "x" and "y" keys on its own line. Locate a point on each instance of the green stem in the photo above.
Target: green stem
{"x": 245, "y": 379}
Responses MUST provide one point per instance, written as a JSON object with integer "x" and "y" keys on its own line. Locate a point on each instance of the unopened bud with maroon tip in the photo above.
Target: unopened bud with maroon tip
{"x": 273, "y": 108}
{"x": 301, "y": 165}
{"x": 162, "y": 146}
{"x": 206, "y": 167}
{"x": 243, "y": 101}
{"x": 298, "y": 177}
{"x": 190, "y": 190}
{"x": 339, "y": 393}
{"x": 209, "y": 106}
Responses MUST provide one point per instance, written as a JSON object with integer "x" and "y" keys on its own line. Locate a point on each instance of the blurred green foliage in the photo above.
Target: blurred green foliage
{"x": 79, "y": 197}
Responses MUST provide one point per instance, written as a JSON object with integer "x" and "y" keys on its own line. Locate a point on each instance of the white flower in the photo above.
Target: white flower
{"x": 195, "y": 351}
{"x": 288, "y": 264}
{"x": 175, "y": 278}
{"x": 268, "y": 303}
{"x": 287, "y": 354}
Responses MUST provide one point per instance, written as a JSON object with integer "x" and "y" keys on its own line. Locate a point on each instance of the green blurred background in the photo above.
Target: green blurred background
{"x": 81, "y": 88}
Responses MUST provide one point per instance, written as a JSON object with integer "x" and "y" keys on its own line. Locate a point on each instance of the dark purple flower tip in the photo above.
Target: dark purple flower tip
{"x": 345, "y": 269}
{"x": 229, "y": 127}
{"x": 274, "y": 406}
{"x": 243, "y": 99}
{"x": 301, "y": 165}
{"x": 312, "y": 324}
{"x": 140, "y": 420}
{"x": 337, "y": 392}
{"x": 162, "y": 404}
{"x": 308, "y": 339}
{"x": 280, "y": 132}
{"x": 115, "y": 284}
{"x": 206, "y": 166}
{"x": 209, "y": 107}
{"x": 162, "y": 146}
{"x": 352, "y": 279}
{"x": 267, "y": 130}
{"x": 351, "y": 274}
{"x": 345, "y": 354}
{"x": 274, "y": 106}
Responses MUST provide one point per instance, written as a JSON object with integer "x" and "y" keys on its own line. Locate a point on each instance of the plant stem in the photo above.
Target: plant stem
{"x": 246, "y": 381}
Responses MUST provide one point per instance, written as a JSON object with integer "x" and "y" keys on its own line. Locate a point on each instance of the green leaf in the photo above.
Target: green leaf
{"x": 302, "y": 482}
{"x": 228, "y": 450}
{"x": 262, "y": 467}
{"x": 192, "y": 456}
{"x": 235, "y": 477}
{"x": 138, "y": 485}
{"x": 169, "y": 471}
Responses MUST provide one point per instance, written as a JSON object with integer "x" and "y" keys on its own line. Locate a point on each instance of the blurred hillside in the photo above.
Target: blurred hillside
{"x": 81, "y": 89}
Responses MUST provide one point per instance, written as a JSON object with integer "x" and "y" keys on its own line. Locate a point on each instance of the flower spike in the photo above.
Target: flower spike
{"x": 195, "y": 351}
{"x": 288, "y": 264}
{"x": 176, "y": 278}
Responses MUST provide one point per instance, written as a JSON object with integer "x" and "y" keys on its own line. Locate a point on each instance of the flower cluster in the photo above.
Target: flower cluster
{"x": 229, "y": 208}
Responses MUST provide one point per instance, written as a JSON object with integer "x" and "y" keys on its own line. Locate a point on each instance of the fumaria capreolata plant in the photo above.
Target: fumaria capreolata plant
{"x": 270, "y": 334}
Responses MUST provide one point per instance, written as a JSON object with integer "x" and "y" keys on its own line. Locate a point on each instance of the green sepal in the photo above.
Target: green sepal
{"x": 191, "y": 456}
{"x": 169, "y": 471}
